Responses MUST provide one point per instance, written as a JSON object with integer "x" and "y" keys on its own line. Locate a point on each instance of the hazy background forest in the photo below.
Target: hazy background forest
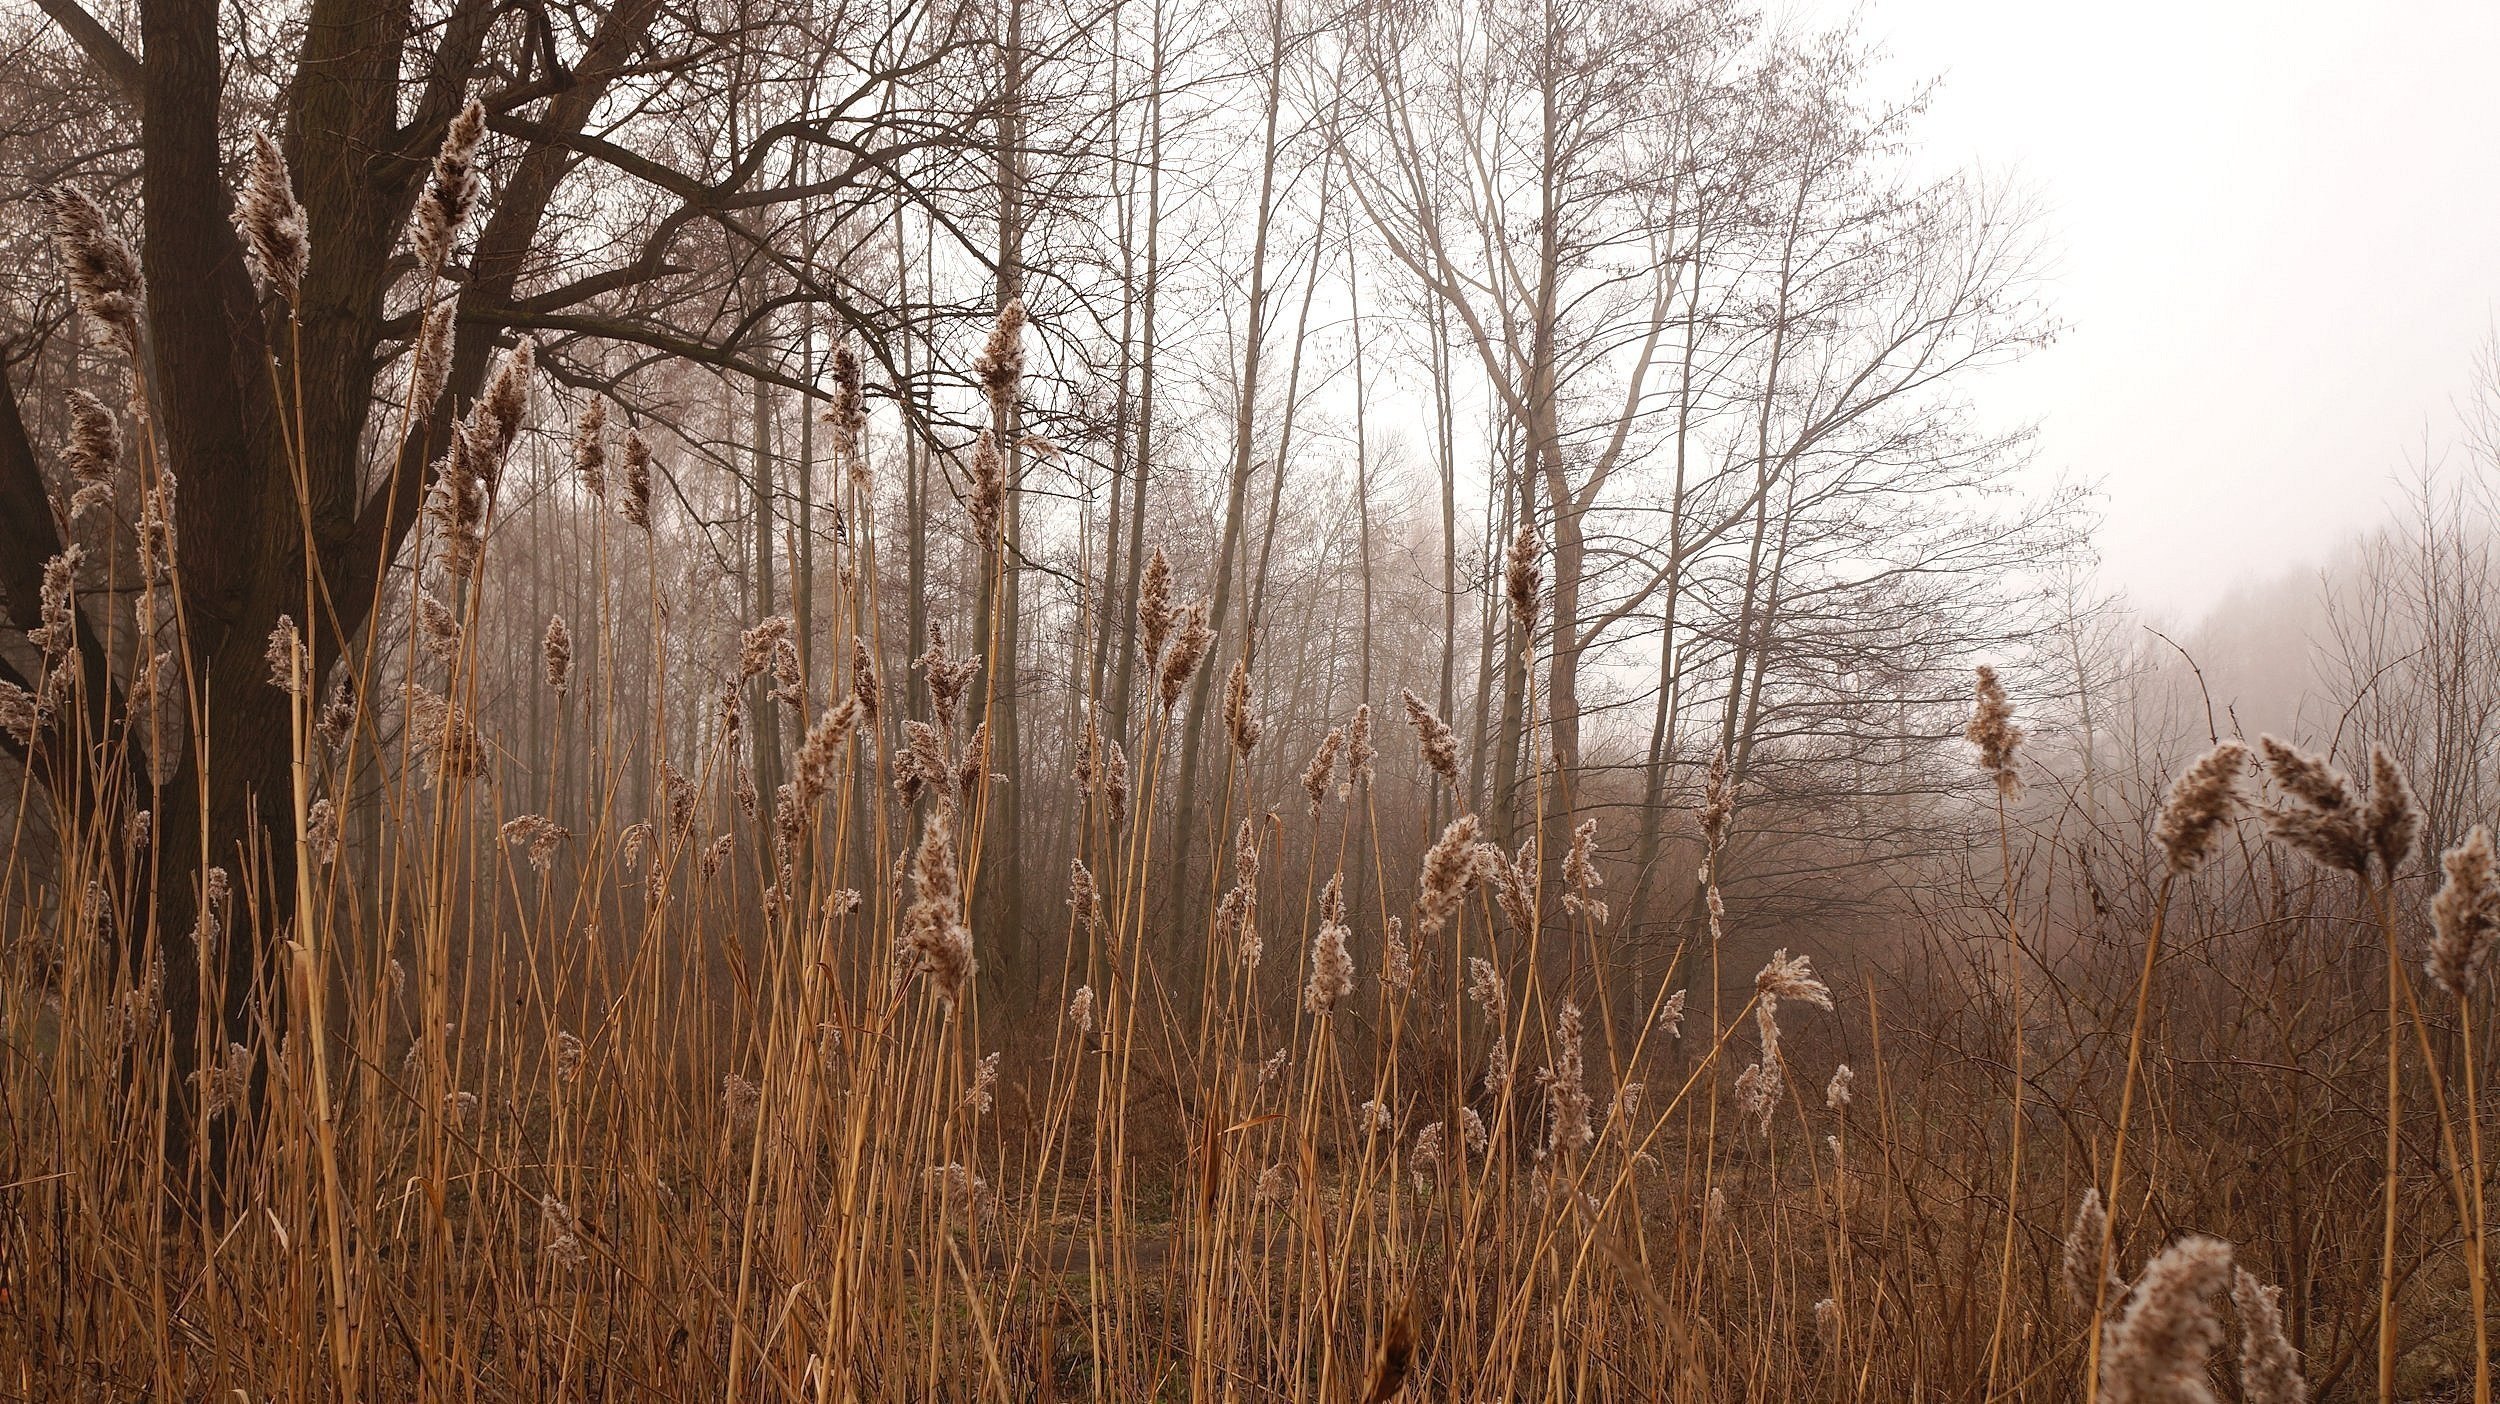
{"x": 1163, "y": 698}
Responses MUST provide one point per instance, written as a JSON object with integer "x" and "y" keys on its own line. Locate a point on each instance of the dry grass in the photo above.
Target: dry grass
{"x": 643, "y": 1099}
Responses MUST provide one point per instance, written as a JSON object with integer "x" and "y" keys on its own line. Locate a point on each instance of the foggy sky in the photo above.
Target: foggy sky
{"x": 2277, "y": 229}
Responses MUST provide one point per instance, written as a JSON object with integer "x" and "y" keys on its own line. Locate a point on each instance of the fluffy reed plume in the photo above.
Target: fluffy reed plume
{"x": 1758, "y": 1093}
{"x": 1424, "y": 1160}
{"x": 457, "y": 506}
{"x": 2080, "y": 1256}
{"x": 1238, "y": 721}
{"x": 987, "y": 502}
{"x": 1993, "y": 731}
{"x": 429, "y": 356}
{"x": 56, "y": 637}
{"x": 922, "y": 761}
{"x": 717, "y": 855}
{"x": 437, "y": 628}
{"x": 1524, "y": 577}
{"x": 634, "y": 842}
{"x": 2391, "y": 818}
{"x": 789, "y": 688}
{"x": 974, "y": 761}
{"x": 568, "y": 1058}
{"x": 739, "y": 1101}
{"x": 1332, "y": 969}
{"x": 731, "y": 712}
{"x": 678, "y": 794}
{"x": 1115, "y": 785}
{"x": 984, "y": 1087}
{"x": 1081, "y": 1009}
{"x": 2158, "y": 1351}
{"x": 321, "y": 831}
{"x": 934, "y": 928}
{"x": 1671, "y": 1015}
{"x": 450, "y": 193}
{"x": 1485, "y": 987}
{"x": 1718, "y": 804}
{"x": 1154, "y": 607}
{"x": 93, "y": 453}
{"x": 590, "y": 447}
{"x": 559, "y": 1232}
{"x": 1374, "y": 1117}
{"x": 1450, "y": 869}
{"x": 1397, "y": 959}
{"x": 1836, "y": 1093}
{"x": 1580, "y": 876}
{"x": 2323, "y": 820}
{"x": 227, "y": 1081}
{"x": 636, "y": 503}
{"x": 867, "y": 688}
{"x": 495, "y": 420}
{"x": 1084, "y": 896}
{"x": 1393, "y": 1357}
{"x": 1275, "y": 1186}
{"x": 540, "y": 835}
{"x": 557, "y": 648}
{"x": 1439, "y": 743}
{"x": 1566, "y": 1095}
{"x": 285, "y": 651}
{"x": 338, "y": 711}
{"x": 1359, "y": 752}
{"x": 947, "y": 678}
{"x": 2465, "y": 916}
{"x": 1000, "y": 365}
{"x": 1322, "y": 770}
{"x": 2269, "y": 1366}
{"x": 847, "y": 414}
{"x": 1791, "y": 977}
{"x": 275, "y": 245}
{"x": 446, "y": 742}
{"x": 1512, "y": 881}
{"x": 102, "y": 272}
{"x": 755, "y": 646}
{"x": 2202, "y": 801}
{"x": 1188, "y": 651}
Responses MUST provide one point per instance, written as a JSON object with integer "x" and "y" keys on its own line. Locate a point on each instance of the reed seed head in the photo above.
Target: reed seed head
{"x": 636, "y": 503}
{"x": 2269, "y": 1366}
{"x": 1332, "y": 970}
{"x": 1450, "y": 869}
{"x": 1993, "y": 731}
{"x": 1188, "y": 651}
{"x": 1322, "y": 770}
{"x": 275, "y": 244}
{"x": 557, "y": 648}
{"x": 1154, "y": 607}
{"x": 2202, "y": 801}
{"x": 2158, "y": 1351}
{"x": 1524, "y": 577}
{"x": 2392, "y": 819}
{"x": 102, "y": 273}
{"x": 935, "y": 932}
{"x": 284, "y": 653}
{"x": 2465, "y": 916}
{"x": 450, "y": 193}
{"x": 590, "y": 447}
{"x": 2323, "y": 821}
{"x": 1439, "y": 743}
{"x": 1238, "y": 718}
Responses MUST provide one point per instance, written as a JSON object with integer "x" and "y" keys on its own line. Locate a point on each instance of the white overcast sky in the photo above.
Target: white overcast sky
{"x": 2277, "y": 229}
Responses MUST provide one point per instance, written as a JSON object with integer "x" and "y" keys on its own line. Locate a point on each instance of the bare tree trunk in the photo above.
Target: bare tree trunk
{"x": 1123, "y": 685}
{"x": 1245, "y": 422}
